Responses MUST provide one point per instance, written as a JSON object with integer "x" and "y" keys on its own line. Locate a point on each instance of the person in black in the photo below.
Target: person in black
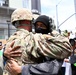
{"x": 43, "y": 25}
{"x": 73, "y": 56}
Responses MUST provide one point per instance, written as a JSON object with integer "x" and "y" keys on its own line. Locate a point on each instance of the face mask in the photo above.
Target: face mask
{"x": 40, "y": 30}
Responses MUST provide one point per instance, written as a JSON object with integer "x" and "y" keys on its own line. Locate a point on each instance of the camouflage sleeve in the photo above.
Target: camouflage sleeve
{"x": 55, "y": 46}
{"x": 52, "y": 46}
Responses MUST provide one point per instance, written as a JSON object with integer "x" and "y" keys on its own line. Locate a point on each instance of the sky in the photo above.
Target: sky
{"x": 65, "y": 9}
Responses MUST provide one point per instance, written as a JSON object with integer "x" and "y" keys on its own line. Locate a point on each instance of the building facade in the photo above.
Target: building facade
{"x": 6, "y": 9}
{"x": 5, "y": 13}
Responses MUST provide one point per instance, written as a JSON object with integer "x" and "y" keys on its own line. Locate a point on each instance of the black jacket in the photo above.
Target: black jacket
{"x": 47, "y": 68}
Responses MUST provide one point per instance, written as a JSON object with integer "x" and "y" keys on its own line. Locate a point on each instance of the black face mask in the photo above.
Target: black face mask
{"x": 40, "y": 30}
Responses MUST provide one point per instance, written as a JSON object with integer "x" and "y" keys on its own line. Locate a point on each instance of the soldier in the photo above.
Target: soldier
{"x": 34, "y": 46}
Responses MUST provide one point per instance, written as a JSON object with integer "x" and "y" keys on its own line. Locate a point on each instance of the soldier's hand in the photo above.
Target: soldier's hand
{"x": 66, "y": 60}
{"x": 12, "y": 52}
{"x": 13, "y": 67}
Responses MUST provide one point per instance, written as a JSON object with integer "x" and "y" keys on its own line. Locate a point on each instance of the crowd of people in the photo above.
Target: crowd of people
{"x": 39, "y": 53}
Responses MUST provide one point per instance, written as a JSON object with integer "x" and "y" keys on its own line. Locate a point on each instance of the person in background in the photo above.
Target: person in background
{"x": 63, "y": 68}
{"x": 73, "y": 55}
{"x": 1, "y": 45}
{"x": 1, "y": 59}
{"x": 33, "y": 47}
{"x": 35, "y": 14}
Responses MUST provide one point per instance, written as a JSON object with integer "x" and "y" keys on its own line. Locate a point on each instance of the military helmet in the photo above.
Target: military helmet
{"x": 35, "y": 16}
{"x": 21, "y": 14}
{"x": 35, "y": 13}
